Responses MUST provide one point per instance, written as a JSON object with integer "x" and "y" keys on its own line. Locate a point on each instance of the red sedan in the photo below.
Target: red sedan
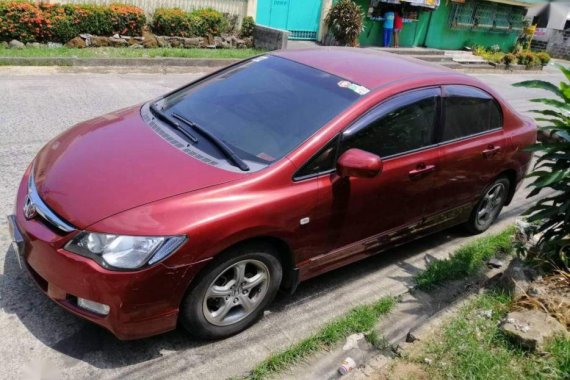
{"x": 195, "y": 208}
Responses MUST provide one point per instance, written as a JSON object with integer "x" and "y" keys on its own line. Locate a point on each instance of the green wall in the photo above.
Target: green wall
{"x": 413, "y": 34}
{"x": 440, "y": 36}
{"x": 434, "y": 32}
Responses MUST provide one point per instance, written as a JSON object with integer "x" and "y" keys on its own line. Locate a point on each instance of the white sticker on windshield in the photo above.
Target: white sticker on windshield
{"x": 360, "y": 90}
{"x": 259, "y": 59}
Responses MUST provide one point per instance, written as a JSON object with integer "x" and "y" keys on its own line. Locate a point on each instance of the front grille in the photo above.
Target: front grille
{"x": 42, "y": 210}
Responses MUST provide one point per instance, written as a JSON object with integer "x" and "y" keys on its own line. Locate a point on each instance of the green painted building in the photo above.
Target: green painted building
{"x": 448, "y": 24}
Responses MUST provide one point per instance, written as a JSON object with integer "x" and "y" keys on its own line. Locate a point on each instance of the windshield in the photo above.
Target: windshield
{"x": 265, "y": 107}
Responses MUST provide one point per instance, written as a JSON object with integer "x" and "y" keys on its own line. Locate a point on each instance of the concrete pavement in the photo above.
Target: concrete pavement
{"x": 38, "y": 337}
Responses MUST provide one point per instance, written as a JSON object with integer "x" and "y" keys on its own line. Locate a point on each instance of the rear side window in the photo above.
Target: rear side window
{"x": 400, "y": 125}
{"x": 469, "y": 111}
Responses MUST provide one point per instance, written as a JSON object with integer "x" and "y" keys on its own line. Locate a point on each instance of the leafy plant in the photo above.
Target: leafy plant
{"x": 524, "y": 57}
{"x": 247, "y": 27}
{"x": 495, "y": 48}
{"x": 509, "y": 59}
{"x": 345, "y": 21}
{"x": 544, "y": 57}
{"x": 479, "y": 50}
{"x": 552, "y": 171}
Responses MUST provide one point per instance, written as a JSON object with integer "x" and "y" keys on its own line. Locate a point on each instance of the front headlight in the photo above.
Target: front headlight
{"x": 124, "y": 252}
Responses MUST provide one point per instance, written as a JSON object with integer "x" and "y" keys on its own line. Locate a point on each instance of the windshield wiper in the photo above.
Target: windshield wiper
{"x": 229, "y": 153}
{"x": 161, "y": 115}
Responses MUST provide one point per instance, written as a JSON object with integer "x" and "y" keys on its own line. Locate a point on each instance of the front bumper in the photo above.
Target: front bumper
{"x": 142, "y": 303}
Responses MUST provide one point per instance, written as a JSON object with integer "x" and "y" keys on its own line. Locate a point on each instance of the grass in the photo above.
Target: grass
{"x": 496, "y": 57}
{"x": 560, "y": 351}
{"x": 360, "y": 319}
{"x": 108, "y": 52}
{"x": 471, "y": 346}
{"x": 378, "y": 341}
{"x": 465, "y": 261}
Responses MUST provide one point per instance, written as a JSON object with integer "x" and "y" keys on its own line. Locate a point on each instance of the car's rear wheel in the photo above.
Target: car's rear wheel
{"x": 489, "y": 206}
{"x": 233, "y": 293}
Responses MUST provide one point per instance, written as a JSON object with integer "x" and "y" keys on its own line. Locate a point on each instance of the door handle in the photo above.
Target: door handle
{"x": 491, "y": 151}
{"x": 421, "y": 170}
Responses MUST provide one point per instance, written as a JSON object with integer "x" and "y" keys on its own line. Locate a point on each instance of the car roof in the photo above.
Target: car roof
{"x": 367, "y": 67}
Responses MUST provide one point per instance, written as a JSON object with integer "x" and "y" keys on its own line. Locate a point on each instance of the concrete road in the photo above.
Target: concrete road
{"x": 37, "y": 337}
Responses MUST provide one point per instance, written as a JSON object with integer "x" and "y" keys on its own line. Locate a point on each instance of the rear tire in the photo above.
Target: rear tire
{"x": 489, "y": 206}
{"x": 233, "y": 292}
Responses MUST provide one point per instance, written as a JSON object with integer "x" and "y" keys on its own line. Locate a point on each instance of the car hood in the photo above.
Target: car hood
{"x": 113, "y": 163}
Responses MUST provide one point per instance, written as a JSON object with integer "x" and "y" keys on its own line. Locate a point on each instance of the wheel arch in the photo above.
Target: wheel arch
{"x": 511, "y": 175}
{"x": 284, "y": 254}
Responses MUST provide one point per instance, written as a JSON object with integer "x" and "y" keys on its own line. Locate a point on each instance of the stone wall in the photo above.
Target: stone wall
{"x": 268, "y": 38}
{"x": 559, "y": 44}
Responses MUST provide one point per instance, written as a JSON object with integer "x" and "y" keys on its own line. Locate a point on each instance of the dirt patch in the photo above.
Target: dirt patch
{"x": 550, "y": 294}
{"x": 405, "y": 371}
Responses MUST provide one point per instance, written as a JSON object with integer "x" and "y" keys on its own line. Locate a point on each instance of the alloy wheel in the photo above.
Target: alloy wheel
{"x": 490, "y": 205}
{"x": 236, "y": 292}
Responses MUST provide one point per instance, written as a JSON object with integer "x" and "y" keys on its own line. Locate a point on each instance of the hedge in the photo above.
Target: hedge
{"x": 29, "y": 22}
{"x": 198, "y": 23}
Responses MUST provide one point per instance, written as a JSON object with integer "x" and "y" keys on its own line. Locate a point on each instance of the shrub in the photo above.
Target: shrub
{"x": 176, "y": 22}
{"x": 29, "y": 22}
{"x": 127, "y": 19}
{"x": 544, "y": 57}
{"x": 22, "y": 21}
{"x": 247, "y": 27}
{"x": 529, "y": 58}
{"x": 213, "y": 22}
{"x": 345, "y": 21}
{"x": 534, "y": 61}
{"x": 524, "y": 58}
{"x": 509, "y": 58}
{"x": 232, "y": 21}
{"x": 479, "y": 50}
{"x": 167, "y": 21}
{"x": 67, "y": 21}
{"x": 552, "y": 171}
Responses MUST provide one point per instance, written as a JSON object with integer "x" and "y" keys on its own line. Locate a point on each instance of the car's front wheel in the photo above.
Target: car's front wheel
{"x": 489, "y": 206}
{"x": 233, "y": 293}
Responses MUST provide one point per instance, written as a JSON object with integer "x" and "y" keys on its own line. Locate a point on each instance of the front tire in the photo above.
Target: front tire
{"x": 233, "y": 293}
{"x": 489, "y": 206}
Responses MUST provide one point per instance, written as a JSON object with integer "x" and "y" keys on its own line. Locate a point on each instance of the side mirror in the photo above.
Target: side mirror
{"x": 358, "y": 163}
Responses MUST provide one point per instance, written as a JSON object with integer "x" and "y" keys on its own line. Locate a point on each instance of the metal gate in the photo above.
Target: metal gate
{"x": 300, "y": 17}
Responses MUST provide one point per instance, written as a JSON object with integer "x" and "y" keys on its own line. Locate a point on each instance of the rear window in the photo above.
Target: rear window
{"x": 265, "y": 107}
{"x": 469, "y": 111}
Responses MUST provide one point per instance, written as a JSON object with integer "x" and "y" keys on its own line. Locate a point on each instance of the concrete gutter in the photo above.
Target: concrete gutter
{"x": 130, "y": 62}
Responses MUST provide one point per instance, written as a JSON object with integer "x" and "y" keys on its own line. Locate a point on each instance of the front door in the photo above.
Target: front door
{"x": 360, "y": 215}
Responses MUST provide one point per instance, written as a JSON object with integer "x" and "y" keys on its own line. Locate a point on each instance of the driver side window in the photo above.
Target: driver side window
{"x": 405, "y": 123}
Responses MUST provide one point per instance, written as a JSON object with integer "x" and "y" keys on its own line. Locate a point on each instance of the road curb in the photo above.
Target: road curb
{"x": 132, "y": 62}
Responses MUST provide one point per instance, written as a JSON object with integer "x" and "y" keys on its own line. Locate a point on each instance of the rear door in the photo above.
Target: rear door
{"x": 473, "y": 148}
